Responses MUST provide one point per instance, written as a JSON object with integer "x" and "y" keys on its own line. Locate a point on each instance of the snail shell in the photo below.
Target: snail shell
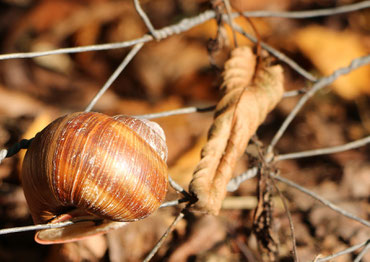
{"x": 91, "y": 167}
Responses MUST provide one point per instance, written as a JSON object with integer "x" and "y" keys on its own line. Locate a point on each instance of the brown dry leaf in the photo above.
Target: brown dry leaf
{"x": 330, "y": 50}
{"x": 242, "y": 109}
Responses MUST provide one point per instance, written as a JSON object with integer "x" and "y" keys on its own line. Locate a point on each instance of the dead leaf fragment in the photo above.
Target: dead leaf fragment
{"x": 330, "y": 50}
{"x": 242, "y": 109}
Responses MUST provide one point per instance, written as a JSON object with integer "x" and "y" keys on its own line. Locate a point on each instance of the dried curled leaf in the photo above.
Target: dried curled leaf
{"x": 241, "y": 110}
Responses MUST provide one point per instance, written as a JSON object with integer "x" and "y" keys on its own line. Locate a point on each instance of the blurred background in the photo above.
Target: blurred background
{"x": 182, "y": 71}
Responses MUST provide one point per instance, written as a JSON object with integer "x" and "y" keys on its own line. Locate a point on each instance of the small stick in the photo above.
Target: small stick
{"x": 324, "y": 151}
{"x": 230, "y": 20}
{"x": 234, "y": 183}
{"x": 164, "y": 237}
{"x": 187, "y": 24}
{"x": 114, "y": 76}
{"x": 363, "y": 252}
{"x": 179, "y": 189}
{"x": 291, "y": 225}
{"x": 278, "y": 55}
{"x": 34, "y": 227}
{"x": 322, "y": 200}
{"x": 356, "y": 63}
{"x": 310, "y": 13}
{"x": 345, "y": 251}
{"x": 146, "y": 20}
{"x": 180, "y": 111}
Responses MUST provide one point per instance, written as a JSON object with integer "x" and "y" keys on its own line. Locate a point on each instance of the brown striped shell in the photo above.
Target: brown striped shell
{"x": 89, "y": 166}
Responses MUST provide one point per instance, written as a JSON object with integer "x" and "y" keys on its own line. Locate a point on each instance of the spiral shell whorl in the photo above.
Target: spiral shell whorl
{"x": 94, "y": 163}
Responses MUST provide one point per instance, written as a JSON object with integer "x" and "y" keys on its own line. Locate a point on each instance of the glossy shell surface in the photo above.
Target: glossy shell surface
{"x": 98, "y": 165}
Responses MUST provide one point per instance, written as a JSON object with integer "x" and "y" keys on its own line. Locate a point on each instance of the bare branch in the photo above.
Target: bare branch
{"x": 185, "y": 25}
{"x": 345, "y": 251}
{"x": 174, "y": 202}
{"x": 164, "y": 237}
{"x": 230, "y": 20}
{"x": 114, "y": 76}
{"x": 234, "y": 183}
{"x": 165, "y": 32}
{"x": 180, "y": 111}
{"x": 322, "y": 200}
{"x": 311, "y": 13}
{"x": 291, "y": 225}
{"x": 294, "y": 93}
{"x": 363, "y": 252}
{"x": 324, "y": 151}
{"x": 278, "y": 55}
{"x": 3, "y": 153}
{"x": 179, "y": 188}
{"x": 79, "y": 49}
{"x": 14, "y": 149}
{"x": 146, "y": 19}
{"x": 34, "y": 227}
{"x": 356, "y": 63}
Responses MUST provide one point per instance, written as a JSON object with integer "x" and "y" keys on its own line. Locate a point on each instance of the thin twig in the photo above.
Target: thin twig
{"x": 230, "y": 20}
{"x": 363, "y": 252}
{"x": 146, "y": 19}
{"x": 3, "y": 153}
{"x": 291, "y": 225}
{"x": 180, "y": 111}
{"x": 278, "y": 55}
{"x": 13, "y": 230}
{"x": 234, "y": 183}
{"x": 14, "y": 149}
{"x": 114, "y": 76}
{"x": 310, "y": 13}
{"x": 343, "y": 252}
{"x": 356, "y": 63}
{"x": 23, "y": 144}
{"x": 34, "y": 227}
{"x": 322, "y": 200}
{"x": 174, "y": 202}
{"x": 183, "y": 26}
{"x": 294, "y": 93}
{"x": 179, "y": 188}
{"x": 164, "y": 237}
{"x": 324, "y": 151}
